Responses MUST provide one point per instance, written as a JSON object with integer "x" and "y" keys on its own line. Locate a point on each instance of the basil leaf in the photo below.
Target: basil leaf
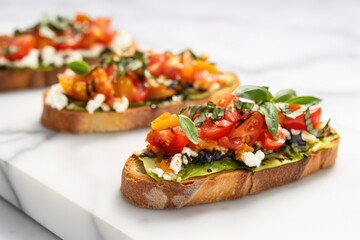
{"x": 271, "y": 117}
{"x": 79, "y": 67}
{"x": 217, "y": 113}
{"x": 255, "y": 93}
{"x": 304, "y": 100}
{"x": 283, "y": 95}
{"x": 310, "y": 127}
{"x": 195, "y": 109}
{"x": 199, "y": 120}
{"x": 188, "y": 128}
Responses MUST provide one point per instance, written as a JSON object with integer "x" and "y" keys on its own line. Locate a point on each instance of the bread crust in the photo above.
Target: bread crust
{"x": 16, "y": 79}
{"x": 141, "y": 190}
{"x": 83, "y": 122}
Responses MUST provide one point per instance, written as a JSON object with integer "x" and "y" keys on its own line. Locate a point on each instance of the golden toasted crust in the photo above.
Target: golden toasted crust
{"x": 15, "y": 79}
{"x": 141, "y": 190}
{"x": 83, "y": 122}
{"x": 27, "y": 78}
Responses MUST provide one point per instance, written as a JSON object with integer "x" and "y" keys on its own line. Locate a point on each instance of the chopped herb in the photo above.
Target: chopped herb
{"x": 80, "y": 68}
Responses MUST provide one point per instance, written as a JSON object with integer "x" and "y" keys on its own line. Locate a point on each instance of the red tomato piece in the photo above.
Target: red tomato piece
{"x": 226, "y": 101}
{"x": 216, "y": 129}
{"x": 250, "y": 130}
{"x": 271, "y": 143}
{"x": 232, "y": 115}
{"x": 169, "y": 141}
{"x": 20, "y": 46}
{"x": 299, "y": 122}
{"x": 233, "y": 144}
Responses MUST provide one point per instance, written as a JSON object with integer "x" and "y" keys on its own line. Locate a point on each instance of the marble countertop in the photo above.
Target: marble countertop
{"x": 313, "y": 46}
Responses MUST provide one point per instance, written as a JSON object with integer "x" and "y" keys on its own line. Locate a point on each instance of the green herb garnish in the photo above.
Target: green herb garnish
{"x": 188, "y": 127}
{"x": 310, "y": 127}
{"x": 79, "y": 67}
{"x": 269, "y": 104}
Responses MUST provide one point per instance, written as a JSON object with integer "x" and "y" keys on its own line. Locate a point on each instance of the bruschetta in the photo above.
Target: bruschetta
{"x": 248, "y": 142}
{"x": 128, "y": 92}
{"x": 34, "y": 56}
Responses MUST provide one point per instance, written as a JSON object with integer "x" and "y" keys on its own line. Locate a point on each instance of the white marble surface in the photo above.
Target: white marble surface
{"x": 313, "y": 46}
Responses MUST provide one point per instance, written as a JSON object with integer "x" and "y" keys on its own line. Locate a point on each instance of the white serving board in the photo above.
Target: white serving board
{"x": 70, "y": 184}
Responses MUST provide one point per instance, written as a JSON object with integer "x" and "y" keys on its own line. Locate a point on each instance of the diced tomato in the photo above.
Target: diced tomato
{"x": 4, "y": 43}
{"x": 250, "y": 130}
{"x": 271, "y": 143}
{"x": 82, "y": 18}
{"x": 299, "y": 122}
{"x": 156, "y": 64}
{"x": 204, "y": 79}
{"x": 215, "y": 129}
{"x": 232, "y": 115}
{"x": 201, "y": 65}
{"x": 20, "y": 46}
{"x": 69, "y": 41}
{"x": 170, "y": 141}
{"x": 124, "y": 87}
{"x": 233, "y": 144}
{"x": 226, "y": 101}
{"x": 281, "y": 118}
{"x": 187, "y": 70}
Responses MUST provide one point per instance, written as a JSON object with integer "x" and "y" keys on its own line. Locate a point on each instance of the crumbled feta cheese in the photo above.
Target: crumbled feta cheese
{"x": 214, "y": 87}
{"x": 121, "y": 105}
{"x": 176, "y": 163}
{"x": 185, "y": 160}
{"x": 105, "y": 107}
{"x": 49, "y": 57}
{"x": 45, "y": 31}
{"x": 4, "y": 62}
{"x": 55, "y": 97}
{"x": 92, "y": 52}
{"x": 121, "y": 42}
{"x": 177, "y": 98}
{"x": 189, "y": 152}
{"x": 74, "y": 56}
{"x": 253, "y": 160}
{"x": 295, "y": 132}
{"x": 308, "y": 137}
{"x": 95, "y": 103}
{"x": 285, "y": 132}
{"x": 29, "y": 61}
{"x": 169, "y": 177}
{"x": 158, "y": 171}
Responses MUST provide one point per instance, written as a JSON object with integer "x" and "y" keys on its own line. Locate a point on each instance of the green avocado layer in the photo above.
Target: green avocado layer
{"x": 271, "y": 161}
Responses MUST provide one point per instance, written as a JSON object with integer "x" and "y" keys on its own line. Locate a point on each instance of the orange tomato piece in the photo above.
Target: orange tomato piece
{"x": 201, "y": 65}
{"x": 164, "y": 121}
{"x": 124, "y": 87}
{"x": 158, "y": 91}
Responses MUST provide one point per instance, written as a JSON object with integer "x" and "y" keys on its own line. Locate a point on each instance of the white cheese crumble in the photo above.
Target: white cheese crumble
{"x": 189, "y": 152}
{"x": 285, "y": 132}
{"x": 308, "y": 137}
{"x": 158, "y": 171}
{"x": 55, "y": 97}
{"x": 46, "y": 32}
{"x": 4, "y": 62}
{"x": 29, "y": 61}
{"x": 177, "y": 98}
{"x": 295, "y": 131}
{"x": 49, "y": 56}
{"x": 105, "y": 107}
{"x": 214, "y": 87}
{"x": 92, "y": 52}
{"x": 176, "y": 163}
{"x": 169, "y": 177}
{"x": 253, "y": 160}
{"x": 95, "y": 103}
{"x": 121, "y": 105}
{"x": 74, "y": 56}
{"x": 121, "y": 42}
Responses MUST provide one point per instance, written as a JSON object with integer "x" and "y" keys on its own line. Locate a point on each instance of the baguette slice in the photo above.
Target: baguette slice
{"x": 15, "y": 79}
{"x": 138, "y": 117}
{"x": 143, "y": 191}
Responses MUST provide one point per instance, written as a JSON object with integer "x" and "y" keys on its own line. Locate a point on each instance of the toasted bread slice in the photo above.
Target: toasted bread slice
{"x": 15, "y": 79}
{"x": 26, "y": 78}
{"x": 83, "y": 122}
{"x": 143, "y": 191}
